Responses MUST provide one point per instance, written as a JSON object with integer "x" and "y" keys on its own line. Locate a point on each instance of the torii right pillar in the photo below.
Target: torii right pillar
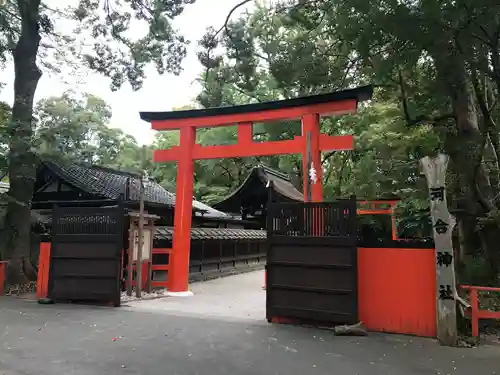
{"x": 311, "y": 125}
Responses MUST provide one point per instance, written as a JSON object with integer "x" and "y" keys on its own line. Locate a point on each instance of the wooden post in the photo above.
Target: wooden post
{"x": 130, "y": 263}
{"x": 443, "y": 223}
{"x": 149, "y": 281}
{"x": 140, "y": 231}
{"x": 307, "y": 187}
{"x": 311, "y": 126}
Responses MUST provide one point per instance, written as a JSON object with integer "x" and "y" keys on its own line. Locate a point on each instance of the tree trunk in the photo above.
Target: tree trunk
{"x": 22, "y": 160}
{"x": 468, "y": 147}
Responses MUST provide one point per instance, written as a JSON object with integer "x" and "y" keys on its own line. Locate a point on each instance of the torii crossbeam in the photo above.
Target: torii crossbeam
{"x": 308, "y": 109}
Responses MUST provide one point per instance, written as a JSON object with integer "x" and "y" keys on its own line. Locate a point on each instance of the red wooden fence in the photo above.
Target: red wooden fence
{"x": 44, "y": 266}
{"x": 475, "y": 312}
{"x": 397, "y": 290}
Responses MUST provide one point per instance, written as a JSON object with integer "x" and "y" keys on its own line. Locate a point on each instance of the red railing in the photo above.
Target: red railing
{"x": 374, "y": 209}
{"x": 154, "y": 267}
{"x": 475, "y": 313}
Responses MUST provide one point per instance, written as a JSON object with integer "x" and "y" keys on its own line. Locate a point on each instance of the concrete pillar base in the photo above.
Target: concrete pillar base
{"x": 187, "y": 293}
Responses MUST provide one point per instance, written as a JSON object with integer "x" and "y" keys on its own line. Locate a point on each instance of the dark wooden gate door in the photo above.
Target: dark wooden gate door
{"x": 85, "y": 257}
{"x": 312, "y": 262}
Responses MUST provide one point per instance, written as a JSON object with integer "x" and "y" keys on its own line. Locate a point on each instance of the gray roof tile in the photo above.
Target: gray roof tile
{"x": 166, "y": 233}
{"x": 110, "y": 183}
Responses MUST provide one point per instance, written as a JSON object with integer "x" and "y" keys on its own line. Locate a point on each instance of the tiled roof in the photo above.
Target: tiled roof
{"x": 110, "y": 183}
{"x": 166, "y": 233}
{"x": 261, "y": 175}
{"x": 281, "y": 182}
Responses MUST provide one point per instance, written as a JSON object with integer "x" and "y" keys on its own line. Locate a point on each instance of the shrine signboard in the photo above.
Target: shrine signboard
{"x": 146, "y": 244}
{"x": 443, "y": 223}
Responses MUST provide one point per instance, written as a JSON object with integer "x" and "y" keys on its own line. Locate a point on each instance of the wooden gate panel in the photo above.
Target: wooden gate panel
{"x": 312, "y": 306}
{"x": 312, "y": 262}
{"x": 324, "y": 279}
{"x": 87, "y": 245}
{"x": 96, "y": 249}
{"x": 321, "y": 253}
{"x": 93, "y": 267}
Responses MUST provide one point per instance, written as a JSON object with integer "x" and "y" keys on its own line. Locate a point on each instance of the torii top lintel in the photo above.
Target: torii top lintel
{"x": 339, "y": 102}
{"x": 307, "y": 108}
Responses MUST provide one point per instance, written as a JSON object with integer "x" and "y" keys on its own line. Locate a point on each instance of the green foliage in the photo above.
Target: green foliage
{"x": 72, "y": 128}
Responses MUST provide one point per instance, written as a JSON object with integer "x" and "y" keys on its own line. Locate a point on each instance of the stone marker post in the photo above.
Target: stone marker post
{"x": 442, "y": 223}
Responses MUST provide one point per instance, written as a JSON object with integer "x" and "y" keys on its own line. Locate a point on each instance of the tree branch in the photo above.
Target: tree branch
{"x": 229, "y": 15}
{"x": 421, "y": 119}
{"x": 222, "y": 28}
{"x": 226, "y": 170}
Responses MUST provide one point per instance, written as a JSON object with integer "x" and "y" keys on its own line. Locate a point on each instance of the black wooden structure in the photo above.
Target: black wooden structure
{"x": 86, "y": 254}
{"x": 312, "y": 262}
{"x": 250, "y": 199}
{"x": 91, "y": 185}
{"x": 215, "y": 251}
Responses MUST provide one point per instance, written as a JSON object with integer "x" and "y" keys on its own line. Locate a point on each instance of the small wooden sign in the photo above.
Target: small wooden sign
{"x": 146, "y": 244}
{"x": 443, "y": 223}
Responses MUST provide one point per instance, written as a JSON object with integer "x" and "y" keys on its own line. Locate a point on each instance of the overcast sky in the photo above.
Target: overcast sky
{"x": 159, "y": 93}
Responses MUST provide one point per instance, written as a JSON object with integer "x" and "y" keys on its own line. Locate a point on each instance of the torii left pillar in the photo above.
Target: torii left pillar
{"x": 178, "y": 274}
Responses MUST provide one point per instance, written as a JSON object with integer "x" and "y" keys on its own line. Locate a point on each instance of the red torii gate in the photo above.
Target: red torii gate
{"x": 308, "y": 109}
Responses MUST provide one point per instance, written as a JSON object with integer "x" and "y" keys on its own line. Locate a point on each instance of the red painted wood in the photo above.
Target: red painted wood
{"x": 477, "y": 314}
{"x": 333, "y": 108}
{"x": 247, "y": 149}
{"x": 397, "y": 290}
{"x": 162, "y": 251}
{"x": 144, "y": 274}
{"x": 160, "y": 284}
{"x": 245, "y": 134}
{"x": 336, "y": 142}
{"x": 394, "y": 232}
{"x": 3, "y": 265}
{"x": 374, "y": 212}
{"x": 481, "y": 288}
{"x": 179, "y": 259}
{"x": 310, "y": 123}
{"x": 380, "y": 202}
{"x": 160, "y": 267}
{"x": 42, "y": 285}
{"x": 486, "y": 314}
